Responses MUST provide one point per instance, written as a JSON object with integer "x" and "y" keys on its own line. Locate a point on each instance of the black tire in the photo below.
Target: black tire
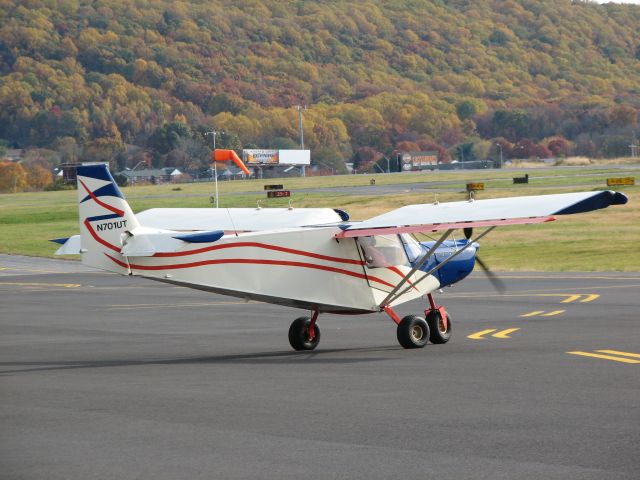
{"x": 299, "y": 334}
{"x": 437, "y": 333}
{"x": 413, "y": 332}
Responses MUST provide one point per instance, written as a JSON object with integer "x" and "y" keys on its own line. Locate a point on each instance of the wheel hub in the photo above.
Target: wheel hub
{"x": 416, "y": 332}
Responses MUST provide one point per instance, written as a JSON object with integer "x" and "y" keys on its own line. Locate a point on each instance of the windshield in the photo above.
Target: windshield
{"x": 382, "y": 251}
{"x": 411, "y": 246}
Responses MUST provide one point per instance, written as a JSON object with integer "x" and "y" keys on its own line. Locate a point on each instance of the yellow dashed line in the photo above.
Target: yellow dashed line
{"x": 24, "y": 284}
{"x": 174, "y": 305}
{"x": 552, "y": 314}
{"x": 533, "y": 314}
{"x": 571, "y": 298}
{"x": 590, "y": 298}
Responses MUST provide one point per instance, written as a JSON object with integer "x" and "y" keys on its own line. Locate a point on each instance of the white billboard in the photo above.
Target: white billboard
{"x": 295, "y": 157}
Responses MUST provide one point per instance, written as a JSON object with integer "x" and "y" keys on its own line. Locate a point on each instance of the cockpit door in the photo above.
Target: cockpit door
{"x": 385, "y": 260}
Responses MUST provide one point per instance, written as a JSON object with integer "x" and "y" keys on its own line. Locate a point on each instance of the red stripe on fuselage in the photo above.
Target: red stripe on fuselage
{"x": 399, "y": 272}
{"x": 247, "y": 261}
{"x": 260, "y": 245}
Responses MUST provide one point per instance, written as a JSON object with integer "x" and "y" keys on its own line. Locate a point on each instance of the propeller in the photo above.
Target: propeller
{"x": 493, "y": 278}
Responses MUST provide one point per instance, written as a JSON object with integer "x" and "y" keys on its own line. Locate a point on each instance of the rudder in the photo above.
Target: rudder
{"x": 105, "y": 216}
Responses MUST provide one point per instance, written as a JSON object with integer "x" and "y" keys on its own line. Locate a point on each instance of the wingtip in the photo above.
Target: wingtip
{"x": 619, "y": 198}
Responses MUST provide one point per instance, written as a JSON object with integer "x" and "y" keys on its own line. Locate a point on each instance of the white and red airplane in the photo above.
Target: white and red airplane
{"x": 309, "y": 258}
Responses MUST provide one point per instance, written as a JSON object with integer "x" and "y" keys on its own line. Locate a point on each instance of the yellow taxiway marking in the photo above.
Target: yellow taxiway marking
{"x": 542, "y": 314}
{"x": 617, "y": 352}
{"x": 505, "y": 333}
{"x": 605, "y": 357}
{"x": 479, "y": 335}
{"x": 499, "y": 334}
{"x": 173, "y": 305}
{"x": 25, "y": 284}
{"x": 590, "y": 298}
{"x": 31, "y": 270}
{"x": 535, "y": 293}
{"x": 532, "y": 314}
{"x": 571, "y": 298}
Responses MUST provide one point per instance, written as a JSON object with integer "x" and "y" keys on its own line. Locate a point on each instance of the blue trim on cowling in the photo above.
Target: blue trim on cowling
{"x": 61, "y": 241}
{"x": 596, "y": 202}
{"x": 343, "y": 215}
{"x": 456, "y": 269}
{"x": 201, "y": 237}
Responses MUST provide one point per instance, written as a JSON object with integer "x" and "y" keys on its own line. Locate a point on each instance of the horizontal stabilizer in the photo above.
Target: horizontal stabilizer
{"x": 70, "y": 246}
{"x": 201, "y": 237}
{"x": 147, "y": 242}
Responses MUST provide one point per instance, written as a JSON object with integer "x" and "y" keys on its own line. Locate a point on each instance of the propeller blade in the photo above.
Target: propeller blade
{"x": 468, "y": 232}
{"x": 493, "y": 278}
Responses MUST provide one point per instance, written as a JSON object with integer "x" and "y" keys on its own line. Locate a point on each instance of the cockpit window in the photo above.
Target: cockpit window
{"x": 382, "y": 251}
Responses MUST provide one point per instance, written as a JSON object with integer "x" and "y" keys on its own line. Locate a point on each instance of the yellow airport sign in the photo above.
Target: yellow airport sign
{"x": 475, "y": 186}
{"x": 612, "y": 182}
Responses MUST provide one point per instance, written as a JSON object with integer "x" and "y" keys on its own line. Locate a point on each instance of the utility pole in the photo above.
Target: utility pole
{"x": 215, "y": 132}
{"x": 300, "y": 108}
{"x": 388, "y": 167}
{"x": 500, "y": 147}
{"x": 633, "y": 147}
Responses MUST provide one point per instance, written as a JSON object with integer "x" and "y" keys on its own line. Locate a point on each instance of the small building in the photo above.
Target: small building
{"x": 14, "y": 154}
{"x": 151, "y": 175}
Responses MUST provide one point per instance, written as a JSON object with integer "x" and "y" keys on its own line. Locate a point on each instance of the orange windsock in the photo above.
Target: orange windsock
{"x": 222, "y": 155}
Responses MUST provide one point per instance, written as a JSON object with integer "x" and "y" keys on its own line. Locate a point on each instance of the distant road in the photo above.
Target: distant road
{"x": 431, "y": 186}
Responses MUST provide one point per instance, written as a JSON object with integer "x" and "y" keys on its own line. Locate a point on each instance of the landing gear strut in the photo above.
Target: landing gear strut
{"x": 439, "y": 322}
{"x": 304, "y": 333}
{"x": 414, "y": 331}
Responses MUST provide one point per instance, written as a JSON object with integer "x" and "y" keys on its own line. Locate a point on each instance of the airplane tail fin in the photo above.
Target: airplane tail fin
{"x": 105, "y": 218}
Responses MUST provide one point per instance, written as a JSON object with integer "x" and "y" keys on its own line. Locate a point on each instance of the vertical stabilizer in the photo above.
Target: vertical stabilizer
{"x": 105, "y": 217}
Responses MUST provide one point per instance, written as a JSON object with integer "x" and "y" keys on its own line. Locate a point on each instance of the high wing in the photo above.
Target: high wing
{"x": 482, "y": 213}
{"x": 238, "y": 219}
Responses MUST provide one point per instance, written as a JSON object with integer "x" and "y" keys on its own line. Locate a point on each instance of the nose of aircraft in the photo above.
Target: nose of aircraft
{"x": 454, "y": 270}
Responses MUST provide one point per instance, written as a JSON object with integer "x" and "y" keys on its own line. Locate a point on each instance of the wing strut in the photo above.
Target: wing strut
{"x": 393, "y": 296}
{"x": 417, "y": 266}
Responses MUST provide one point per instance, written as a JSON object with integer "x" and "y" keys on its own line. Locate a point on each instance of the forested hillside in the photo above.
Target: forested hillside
{"x": 84, "y": 78}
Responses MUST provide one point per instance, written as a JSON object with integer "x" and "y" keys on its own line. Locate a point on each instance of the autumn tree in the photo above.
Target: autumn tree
{"x": 13, "y": 177}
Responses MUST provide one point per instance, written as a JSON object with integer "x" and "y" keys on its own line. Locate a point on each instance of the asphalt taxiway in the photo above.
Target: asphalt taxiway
{"x": 104, "y": 376}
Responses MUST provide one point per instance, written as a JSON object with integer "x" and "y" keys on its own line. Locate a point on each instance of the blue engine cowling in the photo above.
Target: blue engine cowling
{"x": 456, "y": 269}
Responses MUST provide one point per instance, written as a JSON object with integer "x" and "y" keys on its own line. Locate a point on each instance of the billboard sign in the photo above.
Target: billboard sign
{"x": 276, "y": 157}
{"x": 295, "y": 157}
{"x": 415, "y": 161}
{"x": 260, "y": 157}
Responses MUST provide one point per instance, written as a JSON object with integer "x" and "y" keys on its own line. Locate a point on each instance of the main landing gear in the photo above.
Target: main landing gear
{"x": 415, "y": 332}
